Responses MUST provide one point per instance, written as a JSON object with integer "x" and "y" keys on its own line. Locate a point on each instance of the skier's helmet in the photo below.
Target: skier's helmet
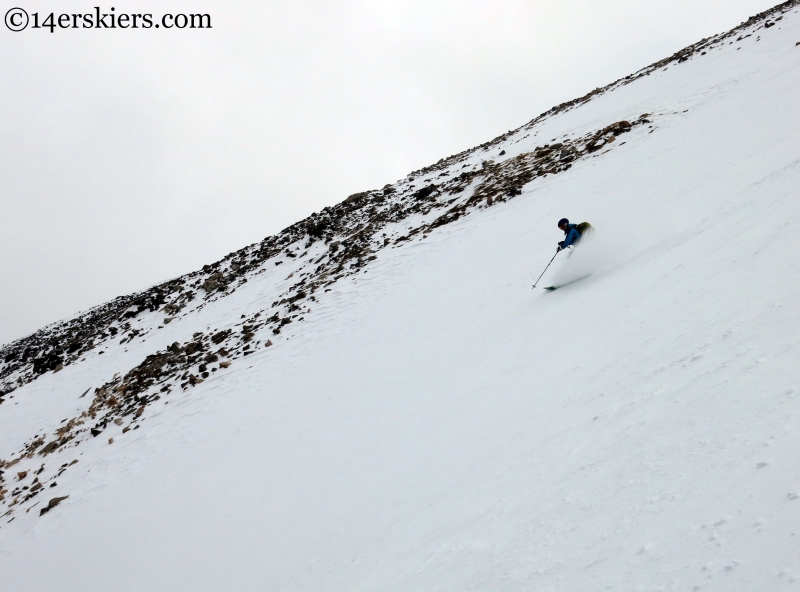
{"x": 563, "y": 222}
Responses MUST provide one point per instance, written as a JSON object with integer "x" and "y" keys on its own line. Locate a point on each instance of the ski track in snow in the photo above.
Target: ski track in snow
{"x": 434, "y": 423}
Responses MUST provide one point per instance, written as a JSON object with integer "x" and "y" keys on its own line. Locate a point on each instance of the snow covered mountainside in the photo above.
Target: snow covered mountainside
{"x": 376, "y": 399}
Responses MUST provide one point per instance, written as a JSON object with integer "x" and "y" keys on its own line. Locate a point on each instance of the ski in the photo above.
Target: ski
{"x": 554, "y": 288}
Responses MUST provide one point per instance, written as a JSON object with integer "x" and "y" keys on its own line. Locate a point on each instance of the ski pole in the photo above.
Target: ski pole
{"x": 545, "y": 269}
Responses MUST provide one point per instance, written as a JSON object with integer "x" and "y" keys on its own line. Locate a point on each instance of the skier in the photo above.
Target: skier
{"x": 572, "y": 233}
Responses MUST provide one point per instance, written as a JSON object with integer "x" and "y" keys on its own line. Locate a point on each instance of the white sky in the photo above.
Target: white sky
{"x": 129, "y": 157}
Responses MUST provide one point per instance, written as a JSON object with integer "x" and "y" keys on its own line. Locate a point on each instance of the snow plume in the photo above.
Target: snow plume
{"x": 597, "y": 252}
{"x": 594, "y": 254}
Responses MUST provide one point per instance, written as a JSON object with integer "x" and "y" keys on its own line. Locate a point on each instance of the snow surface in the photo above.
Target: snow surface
{"x": 436, "y": 424}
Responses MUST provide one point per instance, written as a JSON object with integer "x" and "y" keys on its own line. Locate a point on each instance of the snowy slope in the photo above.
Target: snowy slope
{"x": 427, "y": 421}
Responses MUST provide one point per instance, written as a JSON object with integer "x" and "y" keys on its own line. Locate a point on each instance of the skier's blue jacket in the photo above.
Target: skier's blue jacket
{"x": 573, "y": 236}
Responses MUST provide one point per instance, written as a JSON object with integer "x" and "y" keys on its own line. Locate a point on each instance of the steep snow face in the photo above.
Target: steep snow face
{"x": 434, "y": 423}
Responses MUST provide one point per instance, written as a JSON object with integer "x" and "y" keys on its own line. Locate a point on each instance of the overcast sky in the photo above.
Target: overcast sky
{"x": 128, "y": 157}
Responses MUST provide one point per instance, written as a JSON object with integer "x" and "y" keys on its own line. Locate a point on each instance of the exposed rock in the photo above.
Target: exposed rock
{"x": 220, "y": 336}
{"x": 214, "y": 282}
{"x": 49, "y": 361}
{"x": 51, "y": 447}
{"x": 52, "y": 504}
